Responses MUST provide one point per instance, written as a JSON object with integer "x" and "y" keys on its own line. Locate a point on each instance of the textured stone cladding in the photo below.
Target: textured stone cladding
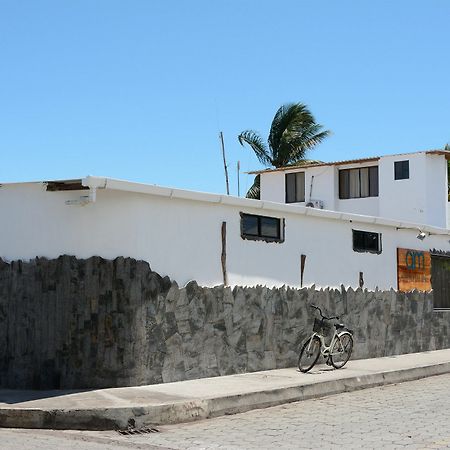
{"x": 70, "y": 323}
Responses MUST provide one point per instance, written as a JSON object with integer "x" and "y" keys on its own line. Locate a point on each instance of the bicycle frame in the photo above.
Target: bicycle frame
{"x": 324, "y": 349}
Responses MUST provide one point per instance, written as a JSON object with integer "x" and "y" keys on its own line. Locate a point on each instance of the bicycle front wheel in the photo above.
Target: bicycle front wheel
{"x": 342, "y": 350}
{"x": 309, "y": 354}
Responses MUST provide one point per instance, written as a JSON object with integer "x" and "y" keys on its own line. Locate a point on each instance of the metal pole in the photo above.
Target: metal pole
{"x": 224, "y": 162}
{"x": 238, "y": 169}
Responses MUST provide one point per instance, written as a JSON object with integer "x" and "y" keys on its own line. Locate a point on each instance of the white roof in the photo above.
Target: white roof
{"x": 93, "y": 182}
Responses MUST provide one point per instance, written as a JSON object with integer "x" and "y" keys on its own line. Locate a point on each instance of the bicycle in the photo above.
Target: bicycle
{"x": 337, "y": 353}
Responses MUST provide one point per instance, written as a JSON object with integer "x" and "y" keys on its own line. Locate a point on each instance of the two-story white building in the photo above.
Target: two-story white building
{"x": 411, "y": 187}
{"x": 383, "y": 225}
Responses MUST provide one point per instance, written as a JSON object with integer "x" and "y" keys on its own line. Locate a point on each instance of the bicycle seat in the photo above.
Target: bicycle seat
{"x": 338, "y": 326}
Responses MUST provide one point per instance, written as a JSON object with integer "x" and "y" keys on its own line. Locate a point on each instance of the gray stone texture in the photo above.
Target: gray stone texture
{"x": 71, "y": 323}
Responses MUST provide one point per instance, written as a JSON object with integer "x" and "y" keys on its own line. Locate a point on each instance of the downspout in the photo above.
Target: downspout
{"x": 93, "y": 184}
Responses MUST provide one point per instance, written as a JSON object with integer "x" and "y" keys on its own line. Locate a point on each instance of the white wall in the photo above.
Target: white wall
{"x": 448, "y": 215}
{"x": 325, "y": 187}
{"x": 421, "y": 199}
{"x": 182, "y": 237}
{"x": 403, "y": 199}
{"x": 368, "y": 206}
{"x": 273, "y": 186}
{"x": 436, "y": 191}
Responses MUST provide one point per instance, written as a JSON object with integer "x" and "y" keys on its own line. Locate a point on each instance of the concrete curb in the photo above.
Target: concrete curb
{"x": 190, "y": 410}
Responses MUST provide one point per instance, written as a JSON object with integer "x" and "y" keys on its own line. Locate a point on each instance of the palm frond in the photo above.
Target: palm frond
{"x": 255, "y": 190}
{"x": 287, "y": 117}
{"x": 297, "y": 144}
{"x": 253, "y": 139}
{"x": 293, "y": 132}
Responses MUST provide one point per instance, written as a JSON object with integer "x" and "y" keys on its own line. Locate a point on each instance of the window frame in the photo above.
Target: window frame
{"x": 295, "y": 174}
{"x": 259, "y": 236}
{"x": 367, "y": 250}
{"x": 371, "y": 188}
{"x": 401, "y": 172}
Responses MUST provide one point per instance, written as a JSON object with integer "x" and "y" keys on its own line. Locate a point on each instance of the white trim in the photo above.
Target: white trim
{"x": 250, "y": 203}
{"x": 127, "y": 186}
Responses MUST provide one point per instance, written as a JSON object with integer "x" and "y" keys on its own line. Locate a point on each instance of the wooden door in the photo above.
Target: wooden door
{"x": 440, "y": 280}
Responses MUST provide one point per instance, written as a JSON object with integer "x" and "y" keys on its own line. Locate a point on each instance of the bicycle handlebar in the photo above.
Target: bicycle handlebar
{"x": 321, "y": 314}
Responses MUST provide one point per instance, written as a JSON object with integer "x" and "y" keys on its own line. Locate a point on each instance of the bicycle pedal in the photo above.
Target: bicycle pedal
{"x": 328, "y": 363}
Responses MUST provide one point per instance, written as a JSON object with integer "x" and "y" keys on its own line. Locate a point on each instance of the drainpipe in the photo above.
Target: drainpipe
{"x": 93, "y": 184}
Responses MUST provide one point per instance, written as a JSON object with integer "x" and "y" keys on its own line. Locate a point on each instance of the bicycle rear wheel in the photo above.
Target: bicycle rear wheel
{"x": 342, "y": 350}
{"x": 309, "y": 354}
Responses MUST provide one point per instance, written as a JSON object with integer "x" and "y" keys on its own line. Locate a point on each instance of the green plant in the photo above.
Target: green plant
{"x": 293, "y": 132}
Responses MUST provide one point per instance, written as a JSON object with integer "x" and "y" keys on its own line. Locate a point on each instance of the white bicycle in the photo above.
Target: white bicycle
{"x": 336, "y": 354}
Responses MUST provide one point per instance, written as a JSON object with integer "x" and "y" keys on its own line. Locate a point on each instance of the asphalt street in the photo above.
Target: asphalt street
{"x": 413, "y": 415}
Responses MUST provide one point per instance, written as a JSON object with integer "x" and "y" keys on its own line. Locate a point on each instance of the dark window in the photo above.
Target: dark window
{"x": 365, "y": 241}
{"x": 295, "y": 187}
{"x": 262, "y": 228}
{"x": 250, "y": 225}
{"x": 373, "y": 181}
{"x": 358, "y": 183}
{"x": 401, "y": 170}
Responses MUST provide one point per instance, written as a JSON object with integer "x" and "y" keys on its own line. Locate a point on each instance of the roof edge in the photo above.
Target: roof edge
{"x": 445, "y": 153}
{"x": 307, "y": 165}
{"x": 93, "y": 182}
{"x": 120, "y": 185}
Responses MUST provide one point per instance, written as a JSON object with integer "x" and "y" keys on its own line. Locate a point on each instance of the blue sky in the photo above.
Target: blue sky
{"x": 140, "y": 89}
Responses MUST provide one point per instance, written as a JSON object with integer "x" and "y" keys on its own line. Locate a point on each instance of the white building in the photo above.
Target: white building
{"x": 214, "y": 238}
{"x": 411, "y": 186}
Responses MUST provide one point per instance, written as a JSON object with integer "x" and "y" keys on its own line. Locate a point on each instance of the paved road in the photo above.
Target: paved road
{"x": 411, "y": 415}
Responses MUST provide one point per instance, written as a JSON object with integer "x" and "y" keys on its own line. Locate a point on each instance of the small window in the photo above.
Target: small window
{"x": 262, "y": 228}
{"x": 401, "y": 170}
{"x": 358, "y": 183}
{"x": 295, "y": 187}
{"x": 365, "y": 241}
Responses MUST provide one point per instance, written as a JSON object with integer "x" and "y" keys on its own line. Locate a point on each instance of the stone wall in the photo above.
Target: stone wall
{"x": 69, "y": 323}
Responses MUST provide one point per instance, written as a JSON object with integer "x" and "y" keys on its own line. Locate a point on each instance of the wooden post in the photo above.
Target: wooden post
{"x": 224, "y": 253}
{"x": 302, "y": 268}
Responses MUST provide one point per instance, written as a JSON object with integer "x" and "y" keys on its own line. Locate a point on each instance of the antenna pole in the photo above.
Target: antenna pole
{"x": 238, "y": 169}
{"x": 224, "y": 162}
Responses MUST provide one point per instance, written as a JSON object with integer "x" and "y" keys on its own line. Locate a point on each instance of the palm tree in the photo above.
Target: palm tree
{"x": 293, "y": 132}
